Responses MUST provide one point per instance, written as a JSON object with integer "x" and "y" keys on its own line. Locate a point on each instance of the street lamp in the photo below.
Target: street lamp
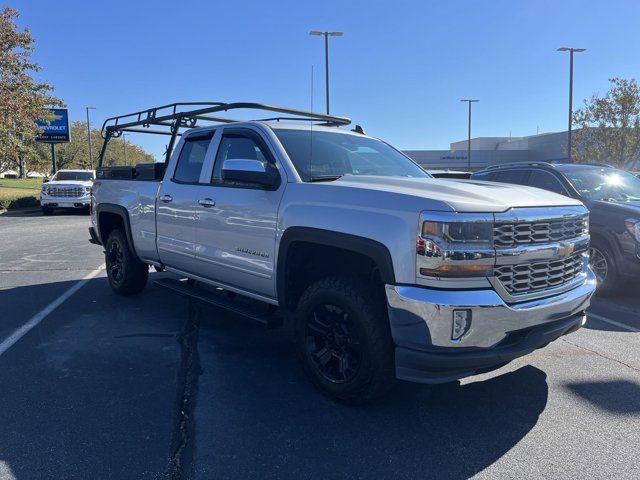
{"x": 89, "y": 135}
{"x": 124, "y": 146}
{"x": 469, "y": 102}
{"x": 326, "y": 56}
{"x": 571, "y": 51}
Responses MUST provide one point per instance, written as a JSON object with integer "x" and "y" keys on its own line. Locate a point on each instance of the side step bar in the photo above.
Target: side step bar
{"x": 265, "y": 316}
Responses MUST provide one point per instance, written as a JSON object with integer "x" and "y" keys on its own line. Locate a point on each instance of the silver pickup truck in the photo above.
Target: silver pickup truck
{"x": 385, "y": 272}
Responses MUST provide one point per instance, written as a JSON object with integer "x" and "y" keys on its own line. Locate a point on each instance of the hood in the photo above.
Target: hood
{"x": 462, "y": 195}
{"x": 631, "y": 208}
{"x": 84, "y": 183}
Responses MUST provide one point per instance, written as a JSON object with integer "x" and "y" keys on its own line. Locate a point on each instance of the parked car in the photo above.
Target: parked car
{"x": 384, "y": 271}
{"x": 67, "y": 189}
{"x": 613, "y": 199}
{"x": 451, "y": 174}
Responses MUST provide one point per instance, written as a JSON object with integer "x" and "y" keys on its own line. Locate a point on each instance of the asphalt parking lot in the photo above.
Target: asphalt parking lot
{"x": 144, "y": 387}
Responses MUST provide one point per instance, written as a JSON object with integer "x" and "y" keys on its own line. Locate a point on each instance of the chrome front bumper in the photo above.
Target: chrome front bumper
{"x": 421, "y": 322}
{"x": 65, "y": 202}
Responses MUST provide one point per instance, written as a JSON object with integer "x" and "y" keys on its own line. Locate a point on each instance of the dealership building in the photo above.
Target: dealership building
{"x": 545, "y": 147}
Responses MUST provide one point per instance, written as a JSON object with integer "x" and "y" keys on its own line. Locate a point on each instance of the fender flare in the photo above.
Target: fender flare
{"x": 373, "y": 249}
{"x": 122, "y": 212}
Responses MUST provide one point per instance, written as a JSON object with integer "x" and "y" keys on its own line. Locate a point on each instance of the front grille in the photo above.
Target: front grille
{"x": 533, "y": 277}
{"x": 63, "y": 191}
{"x": 507, "y": 235}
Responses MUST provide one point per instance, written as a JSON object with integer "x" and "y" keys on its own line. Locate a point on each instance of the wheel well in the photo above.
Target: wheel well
{"x": 307, "y": 262}
{"x": 107, "y": 223}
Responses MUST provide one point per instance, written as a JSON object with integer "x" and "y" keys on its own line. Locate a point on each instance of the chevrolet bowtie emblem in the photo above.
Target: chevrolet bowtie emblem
{"x": 566, "y": 249}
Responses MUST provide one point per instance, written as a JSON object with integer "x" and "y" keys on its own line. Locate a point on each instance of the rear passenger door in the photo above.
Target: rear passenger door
{"x": 177, "y": 200}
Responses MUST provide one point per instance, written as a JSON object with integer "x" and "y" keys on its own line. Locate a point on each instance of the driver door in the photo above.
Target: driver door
{"x": 237, "y": 223}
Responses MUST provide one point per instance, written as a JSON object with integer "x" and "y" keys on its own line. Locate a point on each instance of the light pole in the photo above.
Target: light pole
{"x": 89, "y": 135}
{"x": 469, "y": 102}
{"x": 571, "y": 51}
{"x": 124, "y": 146}
{"x": 326, "y": 57}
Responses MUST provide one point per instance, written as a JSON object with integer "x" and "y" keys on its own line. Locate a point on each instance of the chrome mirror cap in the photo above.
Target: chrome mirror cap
{"x": 251, "y": 172}
{"x": 244, "y": 165}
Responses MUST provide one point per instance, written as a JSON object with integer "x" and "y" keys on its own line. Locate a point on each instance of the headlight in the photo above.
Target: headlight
{"x": 45, "y": 190}
{"x": 455, "y": 245}
{"x": 460, "y": 232}
{"x": 633, "y": 227}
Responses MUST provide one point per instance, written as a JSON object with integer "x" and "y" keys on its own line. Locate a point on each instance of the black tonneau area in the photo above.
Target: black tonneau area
{"x": 153, "y": 172}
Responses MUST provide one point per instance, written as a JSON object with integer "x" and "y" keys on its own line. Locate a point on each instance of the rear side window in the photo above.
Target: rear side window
{"x": 511, "y": 176}
{"x": 191, "y": 160}
{"x": 546, "y": 181}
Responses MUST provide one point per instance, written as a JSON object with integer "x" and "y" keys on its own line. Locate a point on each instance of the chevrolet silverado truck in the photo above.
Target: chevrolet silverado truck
{"x": 384, "y": 272}
{"x": 67, "y": 189}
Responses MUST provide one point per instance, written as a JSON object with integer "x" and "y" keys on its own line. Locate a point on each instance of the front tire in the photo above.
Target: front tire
{"x": 343, "y": 338}
{"x": 127, "y": 275}
{"x": 46, "y": 211}
{"x": 604, "y": 267}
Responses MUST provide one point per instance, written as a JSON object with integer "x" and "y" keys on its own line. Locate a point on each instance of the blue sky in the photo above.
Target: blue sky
{"x": 399, "y": 70}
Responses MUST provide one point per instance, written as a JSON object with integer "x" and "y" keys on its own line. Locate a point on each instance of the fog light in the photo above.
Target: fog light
{"x": 461, "y": 323}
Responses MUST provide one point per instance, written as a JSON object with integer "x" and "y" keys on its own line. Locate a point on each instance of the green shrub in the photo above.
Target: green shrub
{"x": 18, "y": 198}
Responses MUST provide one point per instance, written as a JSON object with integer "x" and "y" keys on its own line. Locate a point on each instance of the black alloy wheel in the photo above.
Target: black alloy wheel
{"x": 333, "y": 343}
{"x": 115, "y": 257}
{"x": 127, "y": 275}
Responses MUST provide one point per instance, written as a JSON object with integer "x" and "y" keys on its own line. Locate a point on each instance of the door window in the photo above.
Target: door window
{"x": 546, "y": 181}
{"x": 518, "y": 177}
{"x": 191, "y": 160}
{"x": 236, "y": 147}
{"x": 485, "y": 176}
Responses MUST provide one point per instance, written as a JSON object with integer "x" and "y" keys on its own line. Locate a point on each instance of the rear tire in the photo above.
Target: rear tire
{"x": 127, "y": 275}
{"x": 343, "y": 339}
{"x": 46, "y": 211}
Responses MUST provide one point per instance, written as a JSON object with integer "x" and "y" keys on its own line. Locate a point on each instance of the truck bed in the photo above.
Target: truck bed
{"x": 139, "y": 200}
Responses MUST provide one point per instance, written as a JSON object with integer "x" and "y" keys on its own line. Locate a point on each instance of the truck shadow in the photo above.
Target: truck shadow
{"x": 615, "y": 396}
{"x": 258, "y": 417}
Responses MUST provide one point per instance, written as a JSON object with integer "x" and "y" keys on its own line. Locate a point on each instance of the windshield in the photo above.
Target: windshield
{"x": 322, "y": 154}
{"x": 82, "y": 176}
{"x": 604, "y": 183}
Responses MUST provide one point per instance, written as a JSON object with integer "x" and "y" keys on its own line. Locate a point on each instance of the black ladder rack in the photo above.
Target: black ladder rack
{"x": 170, "y": 119}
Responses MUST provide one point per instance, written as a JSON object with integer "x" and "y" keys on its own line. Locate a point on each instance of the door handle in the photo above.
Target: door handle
{"x": 207, "y": 203}
{"x": 166, "y": 198}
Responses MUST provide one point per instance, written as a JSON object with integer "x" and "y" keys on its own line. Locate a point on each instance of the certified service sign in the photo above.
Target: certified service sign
{"x": 55, "y": 129}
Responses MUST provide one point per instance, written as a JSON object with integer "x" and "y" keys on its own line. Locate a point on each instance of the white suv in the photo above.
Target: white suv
{"x": 67, "y": 189}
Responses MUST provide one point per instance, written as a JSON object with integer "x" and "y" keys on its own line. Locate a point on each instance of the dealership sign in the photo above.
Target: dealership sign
{"x": 55, "y": 129}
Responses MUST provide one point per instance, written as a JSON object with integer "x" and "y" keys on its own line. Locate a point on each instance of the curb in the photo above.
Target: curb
{"x": 4, "y": 211}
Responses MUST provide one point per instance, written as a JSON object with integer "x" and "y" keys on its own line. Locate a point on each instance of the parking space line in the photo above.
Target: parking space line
{"x": 42, "y": 314}
{"x": 611, "y": 322}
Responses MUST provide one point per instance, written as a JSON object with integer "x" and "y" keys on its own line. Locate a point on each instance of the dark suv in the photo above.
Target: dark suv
{"x": 613, "y": 199}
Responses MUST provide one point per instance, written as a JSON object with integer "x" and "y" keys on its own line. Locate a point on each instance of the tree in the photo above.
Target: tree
{"x": 75, "y": 153}
{"x": 609, "y": 125}
{"x": 22, "y": 98}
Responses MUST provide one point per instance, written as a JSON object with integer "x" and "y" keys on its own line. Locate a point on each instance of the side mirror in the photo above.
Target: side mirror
{"x": 251, "y": 171}
{"x": 45, "y": 180}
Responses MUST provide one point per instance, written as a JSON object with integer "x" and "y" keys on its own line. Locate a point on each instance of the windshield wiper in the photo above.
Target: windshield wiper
{"x": 324, "y": 178}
